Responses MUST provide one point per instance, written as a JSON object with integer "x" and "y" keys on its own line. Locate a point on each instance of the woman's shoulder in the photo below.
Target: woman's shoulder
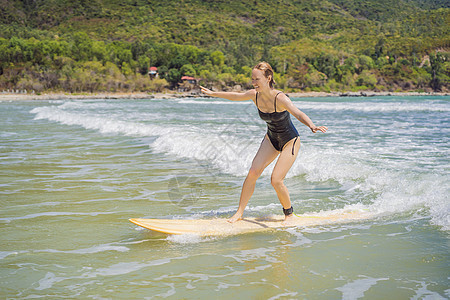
{"x": 282, "y": 98}
{"x": 251, "y": 93}
{"x": 279, "y": 94}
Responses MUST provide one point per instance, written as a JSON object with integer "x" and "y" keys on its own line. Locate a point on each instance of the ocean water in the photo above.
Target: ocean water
{"x": 73, "y": 172}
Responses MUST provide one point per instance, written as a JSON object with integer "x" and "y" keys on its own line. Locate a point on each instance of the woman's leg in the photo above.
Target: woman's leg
{"x": 283, "y": 165}
{"x": 265, "y": 155}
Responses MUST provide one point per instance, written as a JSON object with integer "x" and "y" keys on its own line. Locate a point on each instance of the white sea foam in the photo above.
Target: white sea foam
{"x": 288, "y": 295}
{"x": 188, "y": 238}
{"x": 219, "y": 150}
{"x": 374, "y": 107}
{"x": 424, "y": 293}
{"x": 101, "y": 123}
{"x": 48, "y": 281}
{"x": 4, "y": 254}
{"x": 357, "y": 288}
{"x": 86, "y": 104}
{"x": 128, "y": 267}
{"x": 393, "y": 189}
{"x": 113, "y": 270}
{"x": 224, "y": 286}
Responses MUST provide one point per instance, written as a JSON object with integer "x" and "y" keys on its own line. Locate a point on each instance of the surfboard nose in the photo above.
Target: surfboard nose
{"x": 134, "y": 220}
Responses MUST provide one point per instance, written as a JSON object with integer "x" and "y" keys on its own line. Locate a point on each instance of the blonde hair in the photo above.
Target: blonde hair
{"x": 267, "y": 70}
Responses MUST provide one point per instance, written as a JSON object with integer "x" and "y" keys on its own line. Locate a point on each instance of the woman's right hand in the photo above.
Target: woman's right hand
{"x": 206, "y": 91}
{"x": 314, "y": 129}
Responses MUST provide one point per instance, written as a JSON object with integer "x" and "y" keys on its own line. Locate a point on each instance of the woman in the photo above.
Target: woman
{"x": 281, "y": 139}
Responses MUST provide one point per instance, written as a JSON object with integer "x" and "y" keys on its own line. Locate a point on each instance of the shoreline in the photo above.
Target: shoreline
{"x": 66, "y": 96}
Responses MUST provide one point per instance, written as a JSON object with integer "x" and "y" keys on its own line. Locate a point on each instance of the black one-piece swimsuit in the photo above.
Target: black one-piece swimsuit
{"x": 280, "y": 129}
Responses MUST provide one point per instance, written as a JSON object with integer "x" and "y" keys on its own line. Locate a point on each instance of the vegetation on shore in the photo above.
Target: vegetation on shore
{"x": 334, "y": 45}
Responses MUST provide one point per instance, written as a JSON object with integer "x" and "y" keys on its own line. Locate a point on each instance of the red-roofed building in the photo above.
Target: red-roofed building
{"x": 153, "y": 72}
{"x": 189, "y": 79}
{"x": 188, "y": 83}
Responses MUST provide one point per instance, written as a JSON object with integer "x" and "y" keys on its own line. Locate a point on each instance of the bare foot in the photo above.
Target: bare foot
{"x": 289, "y": 220}
{"x": 235, "y": 218}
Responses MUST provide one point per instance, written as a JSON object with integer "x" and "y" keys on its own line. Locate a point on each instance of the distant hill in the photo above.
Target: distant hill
{"x": 244, "y": 31}
{"x": 214, "y": 23}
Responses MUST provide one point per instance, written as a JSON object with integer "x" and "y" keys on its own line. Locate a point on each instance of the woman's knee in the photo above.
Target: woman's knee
{"x": 254, "y": 174}
{"x": 276, "y": 181}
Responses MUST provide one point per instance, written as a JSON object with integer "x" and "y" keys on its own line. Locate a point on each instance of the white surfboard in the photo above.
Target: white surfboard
{"x": 220, "y": 226}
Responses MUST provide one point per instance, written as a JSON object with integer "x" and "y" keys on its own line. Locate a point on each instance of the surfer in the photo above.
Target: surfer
{"x": 281, "y": 139}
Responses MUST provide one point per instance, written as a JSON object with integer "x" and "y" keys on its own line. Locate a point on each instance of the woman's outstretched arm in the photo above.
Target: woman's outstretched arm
{"x": 249, "y": 95}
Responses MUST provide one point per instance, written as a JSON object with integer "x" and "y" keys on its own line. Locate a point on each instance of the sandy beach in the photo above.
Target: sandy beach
{"x": 62, "y": 96}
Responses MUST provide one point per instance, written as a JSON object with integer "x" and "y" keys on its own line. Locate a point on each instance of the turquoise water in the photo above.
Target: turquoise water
{"x": 74, "y": 172}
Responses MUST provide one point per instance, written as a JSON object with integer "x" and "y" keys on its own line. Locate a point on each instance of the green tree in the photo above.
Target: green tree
{"x": 191, "y": 53}
{"x": 126, "y": 69}
{"x": 218, "y": 58}
{"x": 178, "y": 62}
{"x": 365, "y": 63}
{"x": 81, "y": 47}
{"x": 143, "y": 64}
{"x": 327, "y": 63}
{"x": 173, "y": 77}
{"x": 436, "y": 66}
{"x": 188, "y": 70}
{"x": 381, "y": 62}
{"x": 366, "y": 78}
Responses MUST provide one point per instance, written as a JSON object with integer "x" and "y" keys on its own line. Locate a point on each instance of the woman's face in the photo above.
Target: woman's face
{"x": 259, "y": 81}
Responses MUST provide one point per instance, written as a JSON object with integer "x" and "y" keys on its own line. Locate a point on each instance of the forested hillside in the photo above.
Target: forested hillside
{"x": 334, "y": 45}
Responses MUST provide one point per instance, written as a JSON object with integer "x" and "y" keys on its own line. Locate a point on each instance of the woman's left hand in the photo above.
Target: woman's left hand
{"x": 319, "y": 128}
{"x": 206, "y": 91}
